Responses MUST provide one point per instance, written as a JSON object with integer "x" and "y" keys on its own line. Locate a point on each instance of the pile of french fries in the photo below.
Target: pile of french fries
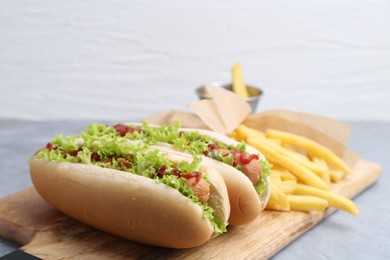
{"x": 302, "y": 171}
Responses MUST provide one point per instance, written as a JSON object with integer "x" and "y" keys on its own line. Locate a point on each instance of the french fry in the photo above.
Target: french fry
{"x": 238, "y": 85}
{"x": 312, "y": 147}
{"x": 303, "y": 174}
{"x": 332, "y": 174}
{"x": 299, "y": 158}
{"x": 325, "y": 174}
{"x": 333, "y": 199}
{"x": 234, "y": 135}
{"x": 273, "y": 205}
{"x": 336, "y": 175}
{"x": 297, "y": 150}
{"x": 295, "y": 160}
{"x": 243, "y": 132}
{"x": 273, "y": 140}
{"x": 284, "y": 174}
{"x": 288, "y": 187}
{"x": 288, "y": 146}
{"x": 278, "y": 198}
{"x": 306, "y": 203}
{"x": 275, "y": 178}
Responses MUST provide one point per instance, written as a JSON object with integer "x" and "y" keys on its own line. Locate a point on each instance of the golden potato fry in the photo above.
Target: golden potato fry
{"x": 234, "y": 136}
{"x": 325, "y": 175}
{"x": 274, "y": 141}
{"x": 285, "y": 175}
{"x": 275, "y": 178}
{"x": 288, "y": 187}
{"x": 279, "y": 197}
{"x": 298, "y": 157}
{"x": 238, "y": 85}
{"x": 336, "y": 175}
{"x": 303, "y": 160}
{"x": 299, "y": 151}
{"x": 312, "y": 147}
{"x": 272, "y": 205}
{"x": 303, "y": 174}
{"x": 289, "y": 147}
{"x": 306, "y": 203}
{"x": 333, "y": 199}
{"x": 244, "y": 132}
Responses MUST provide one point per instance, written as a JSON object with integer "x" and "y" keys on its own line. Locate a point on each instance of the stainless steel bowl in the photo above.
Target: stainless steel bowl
{"x": 253, "y": 100}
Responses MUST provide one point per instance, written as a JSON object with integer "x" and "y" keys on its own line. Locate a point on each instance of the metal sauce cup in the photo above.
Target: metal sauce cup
{"x": 253, "y": 100}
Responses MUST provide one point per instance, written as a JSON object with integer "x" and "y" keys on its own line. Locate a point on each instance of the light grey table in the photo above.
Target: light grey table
{"x": 340, "y": 236}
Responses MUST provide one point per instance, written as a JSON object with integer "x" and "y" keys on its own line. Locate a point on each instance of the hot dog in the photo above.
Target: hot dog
{"x": 132, "y": 190}
{"x": 244, "y": 169}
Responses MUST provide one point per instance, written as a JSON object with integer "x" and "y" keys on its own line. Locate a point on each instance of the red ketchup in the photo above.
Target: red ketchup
{"x": 196, "y": 175}
{"x": 247, "y": 159}
{"x": 126, "y": 163}
{"x": 49, "y": 146}
{"x": 124, "y": 129}
{"x": 95, "y": 157}
{"x": 213, "y": 147}
{"x": 210, "y": 148}
{"x": 176, "y": 172}
{"x": 241, "y": 158}
{"x": 162, "y": 170}
{"x": 75, "y": 152}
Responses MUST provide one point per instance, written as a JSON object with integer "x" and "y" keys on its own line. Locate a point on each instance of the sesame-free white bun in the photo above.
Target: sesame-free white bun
{"x": 245, "y": 203}
{"x": 128, "y": 205}
{"x": 249, "y": 149}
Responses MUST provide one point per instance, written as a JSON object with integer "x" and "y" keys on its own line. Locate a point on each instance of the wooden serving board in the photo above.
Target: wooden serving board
{"x": 46, "y": 233}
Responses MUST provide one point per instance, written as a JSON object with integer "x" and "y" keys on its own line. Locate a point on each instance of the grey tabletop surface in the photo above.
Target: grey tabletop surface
{"x": 340, "y": 236}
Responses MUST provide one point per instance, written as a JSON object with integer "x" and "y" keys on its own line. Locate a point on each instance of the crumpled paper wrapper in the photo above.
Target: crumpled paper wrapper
{"x": 187, "y": 119}
{"x": 226, "y": 111}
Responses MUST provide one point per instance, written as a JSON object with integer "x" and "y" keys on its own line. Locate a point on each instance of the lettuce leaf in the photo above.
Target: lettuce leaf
{"x": 262, "y": 186}
{"x": 194, "y": 166}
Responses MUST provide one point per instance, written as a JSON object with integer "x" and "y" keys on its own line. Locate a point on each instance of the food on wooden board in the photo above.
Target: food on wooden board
{"x": 243, "y": 168}
{"x": 302, "y": 171}
{"x": 129, "y": 189}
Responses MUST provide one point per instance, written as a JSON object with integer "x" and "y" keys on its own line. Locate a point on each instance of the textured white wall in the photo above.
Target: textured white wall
{"x": 128, "y": 59}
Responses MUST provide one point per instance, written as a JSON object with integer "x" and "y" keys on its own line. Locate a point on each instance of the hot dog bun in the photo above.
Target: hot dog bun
{"x": 128, "y": 205}
{"x": 249, "y": 149}
{"x": 246, "y": 204}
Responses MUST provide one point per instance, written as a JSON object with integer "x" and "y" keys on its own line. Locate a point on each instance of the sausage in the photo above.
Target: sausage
{"x": 200, "y": 188}
{"x": 251, "y": 168}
